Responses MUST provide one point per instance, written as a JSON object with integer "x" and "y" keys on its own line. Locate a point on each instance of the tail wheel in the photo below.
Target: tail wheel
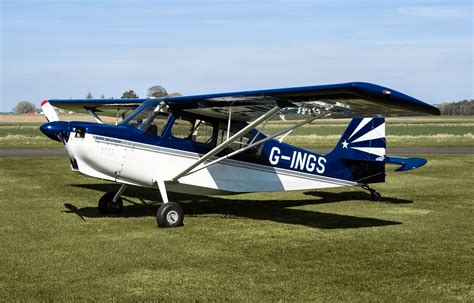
{"x": 375, "y": 196}
{"x": 108, "y": 206}
{"x": 170, "y": 215}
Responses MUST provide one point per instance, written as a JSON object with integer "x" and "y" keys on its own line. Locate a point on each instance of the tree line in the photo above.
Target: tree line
{"x": 461, "y": 108}
{"x": 155, "y": 91}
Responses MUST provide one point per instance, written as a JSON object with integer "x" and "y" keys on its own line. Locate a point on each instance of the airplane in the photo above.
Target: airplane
{"x": 214, "y": 144}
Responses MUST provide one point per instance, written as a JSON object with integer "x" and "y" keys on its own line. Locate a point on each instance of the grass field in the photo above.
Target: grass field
{"x": 401, "y": 132}
{"x": 334, "y": 245}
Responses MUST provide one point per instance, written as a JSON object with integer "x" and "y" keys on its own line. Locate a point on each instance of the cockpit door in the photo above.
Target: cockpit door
{"x": 141, "y": 161}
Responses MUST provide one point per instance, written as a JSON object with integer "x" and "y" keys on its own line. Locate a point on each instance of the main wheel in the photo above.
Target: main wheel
{"x": 108, "y": 206}
{"x": 170, "y": 215}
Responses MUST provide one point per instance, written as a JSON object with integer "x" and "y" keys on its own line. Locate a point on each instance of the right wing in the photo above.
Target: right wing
{"x": 354, "y": 99}
{"x": 345, "y": 100}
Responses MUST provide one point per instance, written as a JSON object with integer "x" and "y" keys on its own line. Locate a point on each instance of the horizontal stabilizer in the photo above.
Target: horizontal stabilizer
{"x": 406, "y": 163}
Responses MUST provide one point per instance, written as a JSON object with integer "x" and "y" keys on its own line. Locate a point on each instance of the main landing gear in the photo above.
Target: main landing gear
{"x": 374, "y": 195}
{"x": 170, "y": 214}
{"x": 111, "y": 203}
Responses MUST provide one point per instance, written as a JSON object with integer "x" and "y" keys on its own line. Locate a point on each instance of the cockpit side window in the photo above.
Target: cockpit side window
{"x": 156, "y": 126}
{"x": 196, "y": 130}
{"x": 203, "y": 132}
{"x": 212, "y": 133}
{"x": 182, "y": 128}
{"x": 239, "y": 143}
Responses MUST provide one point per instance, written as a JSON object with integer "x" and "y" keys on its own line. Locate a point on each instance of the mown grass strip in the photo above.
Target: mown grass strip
{"x": 330, "y": 245}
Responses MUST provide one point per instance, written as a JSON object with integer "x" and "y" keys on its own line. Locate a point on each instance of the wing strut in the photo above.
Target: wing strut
{"x": 117, "y": 116}
{"x": 94, "y": 115}
{"x": 229, "y": 121}
{"x": 229, "y": 141}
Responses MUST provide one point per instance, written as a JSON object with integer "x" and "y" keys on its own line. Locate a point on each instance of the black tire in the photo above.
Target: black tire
{"x": 170, "y": 215}
{"x": 375, "y": 196}
{"x": 108, "y": 206}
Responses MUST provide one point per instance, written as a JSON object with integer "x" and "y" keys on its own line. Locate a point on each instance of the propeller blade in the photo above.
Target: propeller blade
{"x": 49, "y": 112}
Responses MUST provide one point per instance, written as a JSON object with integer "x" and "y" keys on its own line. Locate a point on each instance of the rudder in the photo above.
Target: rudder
{"x": 363, "y": 139}
{"x": 362, "y": 149}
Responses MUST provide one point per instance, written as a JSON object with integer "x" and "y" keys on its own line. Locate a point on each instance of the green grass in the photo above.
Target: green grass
{"x": 398, "y": 135}
{"x": 401, "y": 132}
{"x": 332, "y": 245}
{"x": 24, "y": 136}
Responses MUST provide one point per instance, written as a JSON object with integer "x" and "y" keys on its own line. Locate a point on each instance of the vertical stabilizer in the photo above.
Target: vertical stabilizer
{"x": 363, "y": 139}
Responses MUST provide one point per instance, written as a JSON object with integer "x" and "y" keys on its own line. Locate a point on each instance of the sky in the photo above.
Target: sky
{"x": 65, "y": 49}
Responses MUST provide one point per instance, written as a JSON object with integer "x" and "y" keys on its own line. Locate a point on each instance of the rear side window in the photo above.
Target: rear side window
{"x": 182, "y": 128}
{"x": 238, "y": 143}
{"x": 202, "y": 132}
{"x": 193, "y": 129}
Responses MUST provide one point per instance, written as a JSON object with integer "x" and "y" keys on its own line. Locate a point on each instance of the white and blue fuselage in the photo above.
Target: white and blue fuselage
{"x": 132, "y": 162}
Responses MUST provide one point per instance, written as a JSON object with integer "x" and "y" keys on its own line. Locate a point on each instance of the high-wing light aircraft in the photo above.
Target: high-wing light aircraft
{"x": 214, "y": 144}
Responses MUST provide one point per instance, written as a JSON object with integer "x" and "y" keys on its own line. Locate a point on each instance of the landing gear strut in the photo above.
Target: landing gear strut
{"x": 170, "y": 214}
{"x": 374, "y": 195}
{"x": 111, "y": 203}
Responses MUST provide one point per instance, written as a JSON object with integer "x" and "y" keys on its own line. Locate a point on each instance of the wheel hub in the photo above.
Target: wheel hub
{"x": 172, "y": 217}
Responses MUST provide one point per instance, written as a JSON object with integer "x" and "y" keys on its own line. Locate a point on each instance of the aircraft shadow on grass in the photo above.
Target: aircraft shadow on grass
{"x": 281, "y": 211}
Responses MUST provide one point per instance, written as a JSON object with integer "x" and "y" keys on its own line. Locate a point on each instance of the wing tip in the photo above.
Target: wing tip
{"x": 396, "y": 97}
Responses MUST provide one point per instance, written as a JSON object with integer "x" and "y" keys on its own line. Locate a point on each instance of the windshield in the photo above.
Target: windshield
{"x": 141, "y": 113}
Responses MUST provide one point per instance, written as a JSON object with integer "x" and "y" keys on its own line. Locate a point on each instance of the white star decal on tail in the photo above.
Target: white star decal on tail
{"x": 364, "y": 140}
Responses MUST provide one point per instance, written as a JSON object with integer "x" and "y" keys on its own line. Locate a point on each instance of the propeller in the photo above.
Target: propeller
{"x": 49, "y": 112}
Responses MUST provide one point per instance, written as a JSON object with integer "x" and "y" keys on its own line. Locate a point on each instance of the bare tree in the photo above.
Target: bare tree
{"x": 89, "y": 96}
{"x": 24, "y": 107}
{"x": 463, "y": 108}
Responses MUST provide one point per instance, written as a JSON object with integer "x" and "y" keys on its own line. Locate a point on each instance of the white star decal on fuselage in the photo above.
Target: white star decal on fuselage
{"x": 344, "y": 144}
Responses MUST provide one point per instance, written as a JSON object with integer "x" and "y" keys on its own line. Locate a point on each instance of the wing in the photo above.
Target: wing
{"x": 353, "y": 99}
{"x": 105, "y": 107}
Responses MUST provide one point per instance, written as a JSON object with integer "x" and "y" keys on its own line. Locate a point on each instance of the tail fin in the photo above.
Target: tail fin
{"x": 363, "y": 139}
{"x": 362, "y": 149}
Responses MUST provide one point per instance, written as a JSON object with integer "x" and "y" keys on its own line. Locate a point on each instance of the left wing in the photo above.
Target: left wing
{"x": 105, "y": 107}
